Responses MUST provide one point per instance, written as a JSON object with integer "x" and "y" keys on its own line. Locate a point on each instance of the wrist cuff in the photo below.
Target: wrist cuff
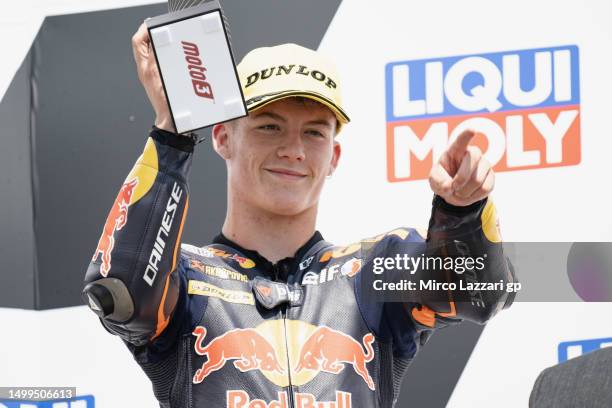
{"x": 455, "y": 209}
{"x": 180, "y": 142}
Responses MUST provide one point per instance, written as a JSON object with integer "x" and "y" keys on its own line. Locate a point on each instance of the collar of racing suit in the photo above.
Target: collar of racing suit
{"x": 281, "y": 270}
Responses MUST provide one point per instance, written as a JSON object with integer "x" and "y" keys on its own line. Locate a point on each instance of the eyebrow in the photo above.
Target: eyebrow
{"x": 272, "y": 115}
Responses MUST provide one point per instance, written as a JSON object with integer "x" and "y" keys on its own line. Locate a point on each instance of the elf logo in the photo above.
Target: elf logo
{"x": 525, "y": 105}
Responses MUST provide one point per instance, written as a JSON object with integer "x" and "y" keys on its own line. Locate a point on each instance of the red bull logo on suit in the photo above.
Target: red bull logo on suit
{"x": 240, "y": 399}
{"x": 286, "y": 350}
{"x": 331, "y": 350}
{"x": 115, "y": 221}
{"x": 249, "y": 350}
{"x": 136, "y": 185}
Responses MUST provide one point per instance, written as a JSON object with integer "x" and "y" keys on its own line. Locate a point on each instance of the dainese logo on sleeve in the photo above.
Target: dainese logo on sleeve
{"x": 525, "y": 106}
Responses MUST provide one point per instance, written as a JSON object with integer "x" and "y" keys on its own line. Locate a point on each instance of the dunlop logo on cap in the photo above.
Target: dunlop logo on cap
{"x": 288, "y": 70}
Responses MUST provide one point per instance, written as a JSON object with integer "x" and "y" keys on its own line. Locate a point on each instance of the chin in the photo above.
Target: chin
{"x": 286, "y": 205}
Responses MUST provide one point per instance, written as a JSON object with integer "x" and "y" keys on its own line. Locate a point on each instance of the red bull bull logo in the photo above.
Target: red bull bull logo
{"x": 240, "y": 399}
{"x": 331, "y": 350}
{"x": 116, "y": 220}
{"x": 305, "y": 350}
{"x": 249, "y": 350}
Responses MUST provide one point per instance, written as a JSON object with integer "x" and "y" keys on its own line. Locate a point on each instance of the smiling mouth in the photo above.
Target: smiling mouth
{"x": 286, "y": 174}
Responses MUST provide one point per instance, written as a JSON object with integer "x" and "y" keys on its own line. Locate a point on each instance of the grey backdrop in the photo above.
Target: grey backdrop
{"x": 74, "y": 120}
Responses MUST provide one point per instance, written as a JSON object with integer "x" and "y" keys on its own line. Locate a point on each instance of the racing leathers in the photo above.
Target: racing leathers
{"x": 221, "y": 326}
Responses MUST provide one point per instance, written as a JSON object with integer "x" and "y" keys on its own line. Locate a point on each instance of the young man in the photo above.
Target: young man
{"x": 269, "y": 314}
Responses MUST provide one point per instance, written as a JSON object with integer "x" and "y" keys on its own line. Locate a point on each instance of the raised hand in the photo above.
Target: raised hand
{"x": 150, "y": 78}
{"x": 462, "y": 176}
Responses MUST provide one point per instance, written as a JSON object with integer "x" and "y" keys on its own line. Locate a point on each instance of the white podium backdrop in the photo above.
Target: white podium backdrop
{"x": 540, "y": 204}
{"x": 547, "y": 204}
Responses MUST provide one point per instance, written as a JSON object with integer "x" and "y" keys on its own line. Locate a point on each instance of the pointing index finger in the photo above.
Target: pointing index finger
{"x": 459, "y": 146}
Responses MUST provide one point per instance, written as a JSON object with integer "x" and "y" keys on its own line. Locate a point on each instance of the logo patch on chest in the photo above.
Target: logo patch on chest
{"x": 348, "y": 268}
{"x": 217, "y": 271}
{"x": 233, "y": 296}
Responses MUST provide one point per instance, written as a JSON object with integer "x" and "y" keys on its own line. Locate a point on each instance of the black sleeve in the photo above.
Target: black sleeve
{"x": 454, "y": 232}
{"x": 132, "y": 282}
{"x": 462, "y": 233}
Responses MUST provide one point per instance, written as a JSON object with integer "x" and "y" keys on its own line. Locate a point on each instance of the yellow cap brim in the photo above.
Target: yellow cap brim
{"x": 338, "y": 112}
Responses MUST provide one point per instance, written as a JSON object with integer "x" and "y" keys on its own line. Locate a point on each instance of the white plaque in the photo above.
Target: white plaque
{"x": 197, "y": 67}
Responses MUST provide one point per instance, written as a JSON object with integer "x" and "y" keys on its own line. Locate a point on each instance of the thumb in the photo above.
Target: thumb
{"x": 440, "y": 181}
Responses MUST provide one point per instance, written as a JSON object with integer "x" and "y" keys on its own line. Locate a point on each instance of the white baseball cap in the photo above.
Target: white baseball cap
{"x": 268, "y": 74}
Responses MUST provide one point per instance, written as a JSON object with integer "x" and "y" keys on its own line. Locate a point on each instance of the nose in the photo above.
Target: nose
{"x": 292, "y": 147}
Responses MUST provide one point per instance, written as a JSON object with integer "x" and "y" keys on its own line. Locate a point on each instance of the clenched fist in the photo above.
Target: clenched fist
{"x": 462, "y": 176}
{"x": 150, "y": 78}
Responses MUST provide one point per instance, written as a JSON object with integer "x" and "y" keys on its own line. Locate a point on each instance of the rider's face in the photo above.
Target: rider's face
{"x": 278, "y": 156}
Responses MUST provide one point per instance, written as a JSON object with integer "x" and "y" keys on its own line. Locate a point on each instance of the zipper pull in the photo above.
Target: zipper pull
{"x": 271, "y": 294}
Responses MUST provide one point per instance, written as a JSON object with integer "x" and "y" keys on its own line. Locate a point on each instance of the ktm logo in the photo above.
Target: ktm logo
{"x": 309, "y": 351}
{"x": 116, "y": 220}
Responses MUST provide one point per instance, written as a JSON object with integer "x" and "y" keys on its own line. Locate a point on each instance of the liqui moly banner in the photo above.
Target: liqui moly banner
{"x": 525, "y": 104}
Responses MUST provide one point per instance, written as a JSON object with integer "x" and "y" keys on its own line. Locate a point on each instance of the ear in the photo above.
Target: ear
{"x": 337, "y": 150}
{"x": 220, "y": 137}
